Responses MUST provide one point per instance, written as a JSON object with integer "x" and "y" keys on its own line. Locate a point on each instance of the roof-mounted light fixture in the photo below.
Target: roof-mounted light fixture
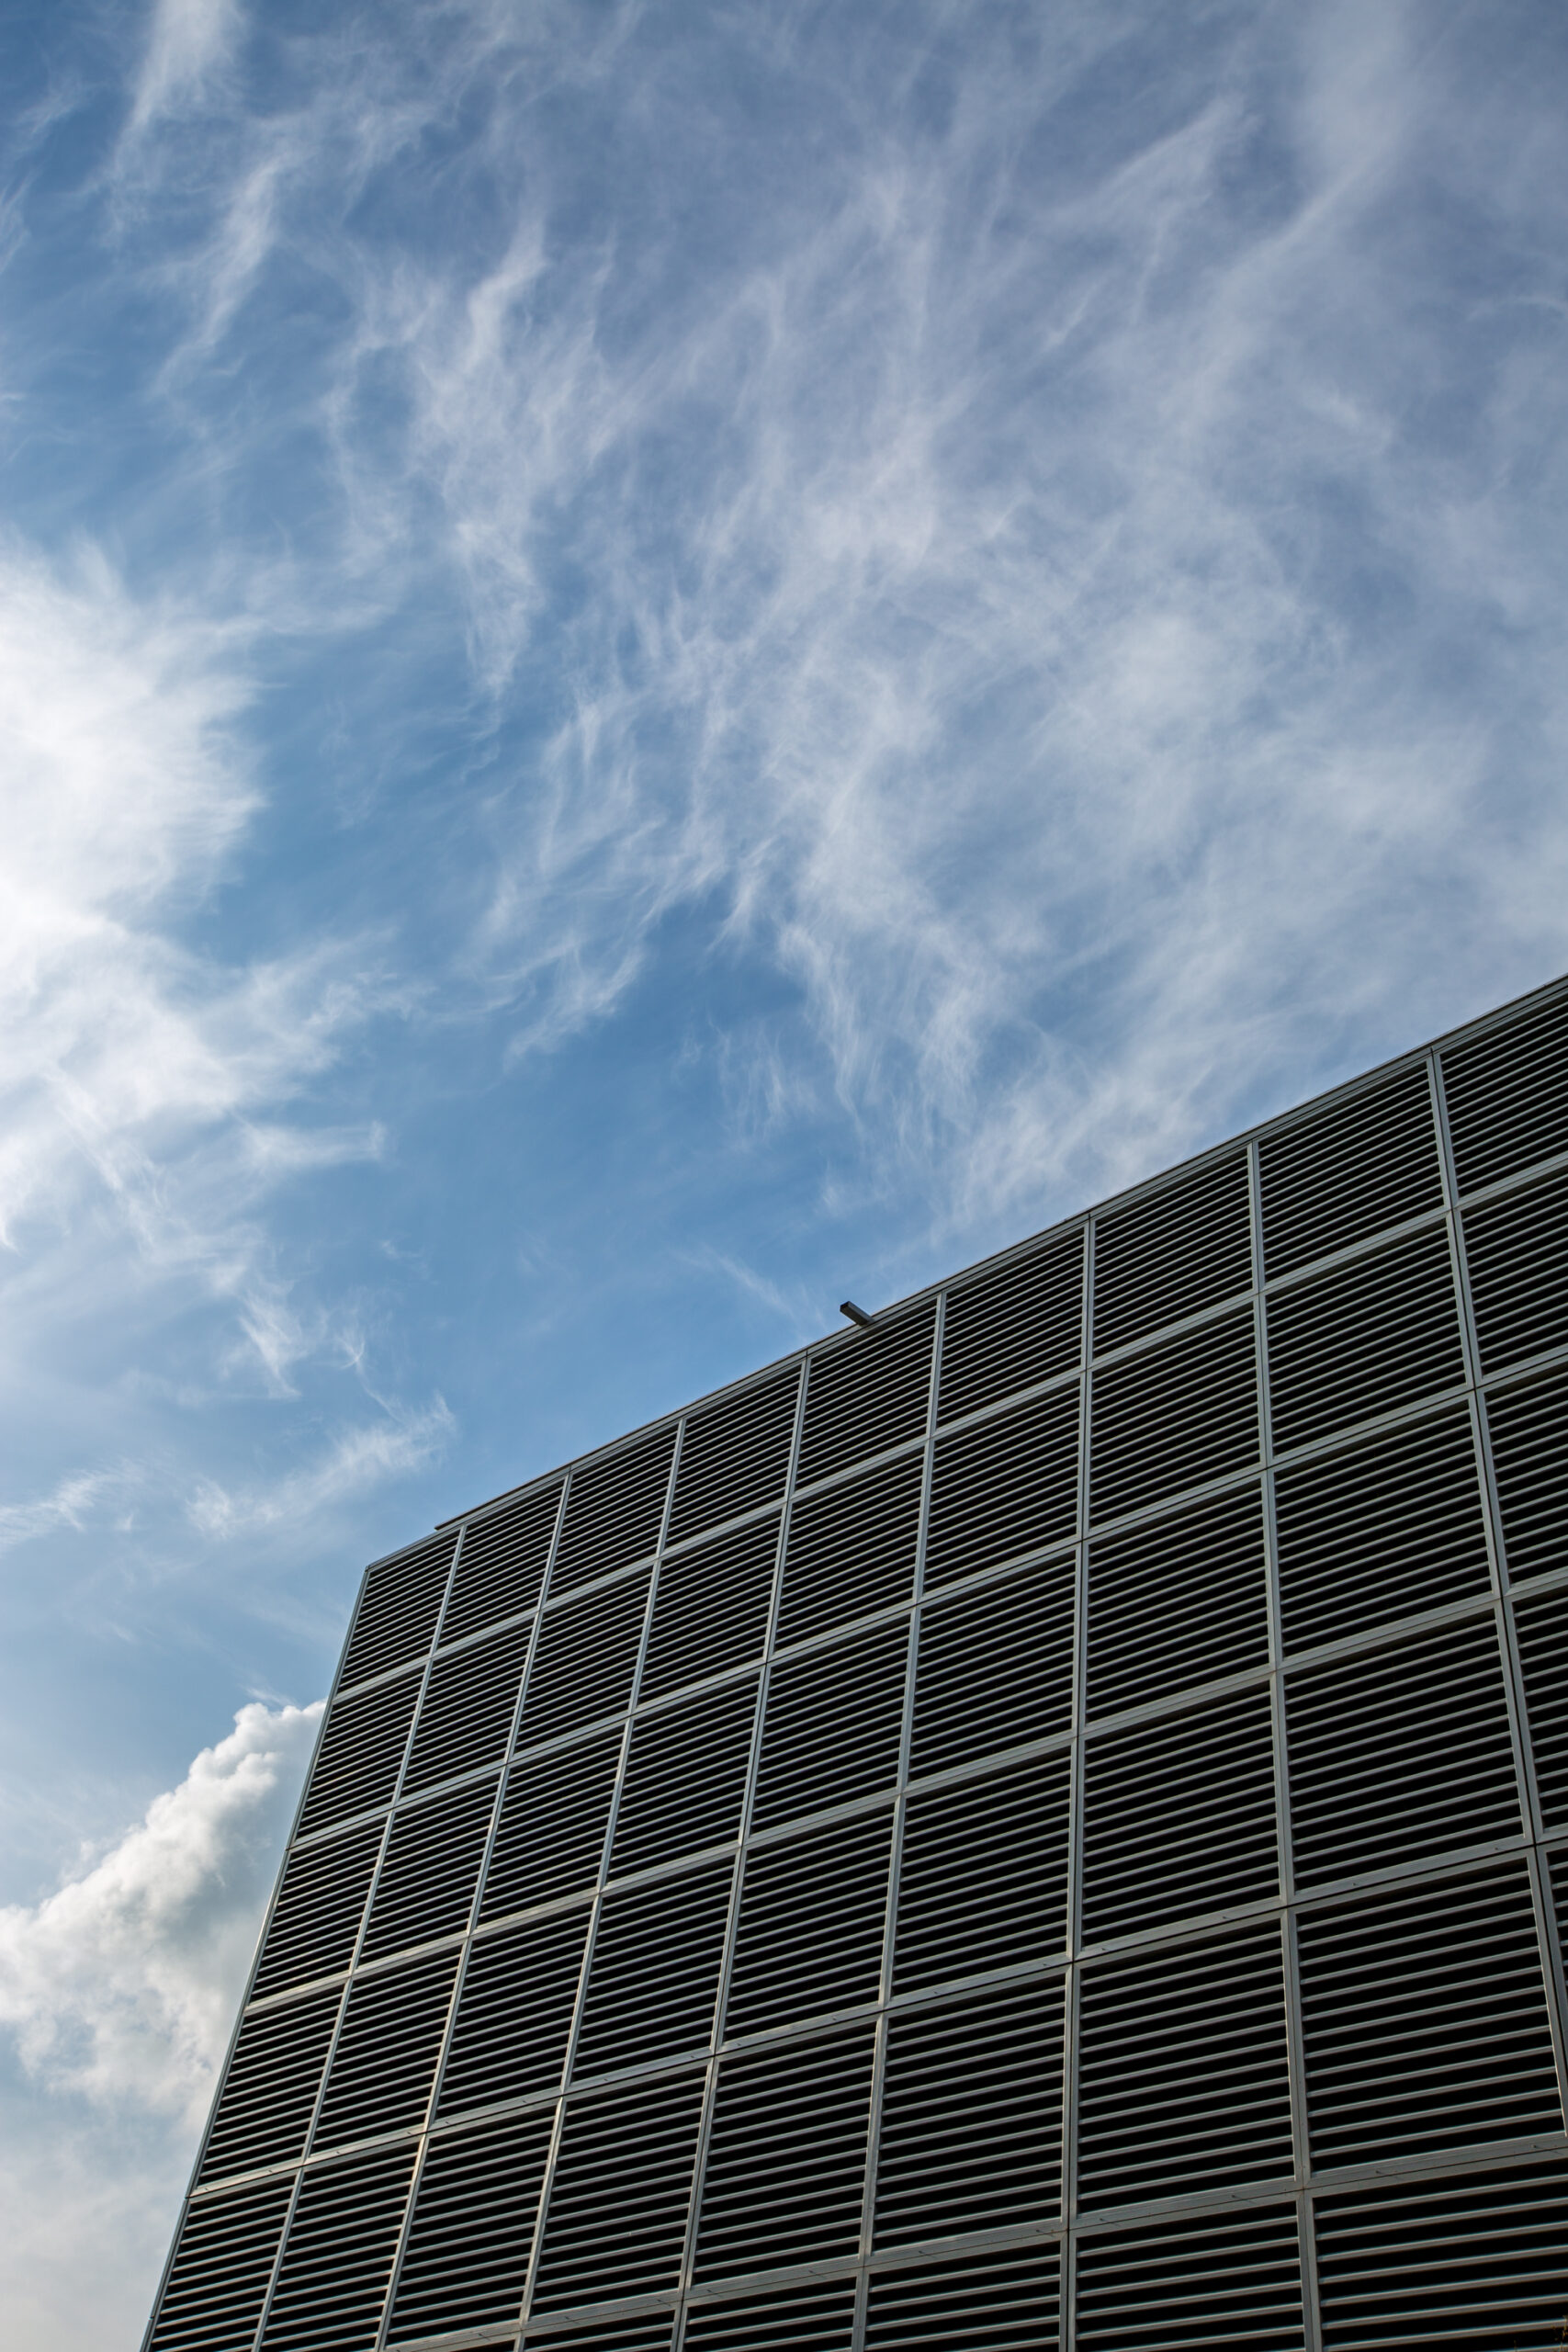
{"x": 857, "y": 1314}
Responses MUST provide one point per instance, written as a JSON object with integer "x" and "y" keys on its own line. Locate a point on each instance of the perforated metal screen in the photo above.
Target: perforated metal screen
{"x": 1043, "y": 1822}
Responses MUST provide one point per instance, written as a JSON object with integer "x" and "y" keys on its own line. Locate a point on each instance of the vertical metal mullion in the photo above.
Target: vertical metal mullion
{"x": 1079, "y": 1711}
{"x": 737, "y": 1885}
{"x": 896, "y": 1849}
{"x": 1296, "y": 2038}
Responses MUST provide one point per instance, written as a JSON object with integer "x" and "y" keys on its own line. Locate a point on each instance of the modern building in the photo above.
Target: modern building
{"x": 1044, "y": 1820}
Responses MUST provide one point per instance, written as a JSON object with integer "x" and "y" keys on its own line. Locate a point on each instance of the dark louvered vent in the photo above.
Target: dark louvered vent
{"x": 812, "y": 1915}
{"x": 1424, "y": 2020}
{"x": 787, "y": 2159}
{"x": 337, "y": 2264}
{"x": 813, "y": 2319}
{"x": 1403, "y": 1753}
{"x": 1013, "y": 1327}
{"x": 618, "y": 2210}
{"x": 1184, "y": 1248}
{"x": 398, "y": 1609}
{"x": 466, "y": 2258}
{"x": 270, "y": 2089}
{"x": 1517, "y": 1249}
{"x": 1529, "y": 1460}
{"x": 426, "y": 1886}
{"x": 514, "y": 2012}
{"x": 1381, "y": 1531}
{"x": 1468, "y": 2263}
{"x": 1507, "y": 1096}
{"x": 221, "y": 2269}
{"x": 1179, "y": 1816}
{"x": 385, "y": 2061}
{"x": 361, "y": 1753}
{"x": 851, "y": 1550}
{"x": 503, "y": 1564}
{"x": 993, "y": 2302}
{"x": 984, "y": 1879}
{"x": 1217, "y": 2278}
{"x": 1354, "y": 1171}
{"x": 614, "y": 1512}
{"x": 865, "y": 1393}
{"x": 1371, "y": 1335}
{"x": 550, "y": 1837}
{"x": 995, "y": 1667}
{"x": 1004, "y": 1486}
{"x": 685, "y": 1778}
{"x": 1177, "y": 1603}
{"x": 1542, "y": 1623}
{"x": 711, "y": 1608}
{"x": 735, "y": 1455}
{"x": 466, "y": 1721}
{"x": 1173, "y": 1417}
{"x": 584, "y": 1660}
{"x": 972, "y": 2116}
{"x": 1181, "y": 2071}
{"x": 316, "y": 1923}
{"x": 650, "y": 2335}
{"x": 833, "y": 1721}
{"x": 654, "y": 1972}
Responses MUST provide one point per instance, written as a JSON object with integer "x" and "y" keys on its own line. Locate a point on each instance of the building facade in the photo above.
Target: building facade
{"x": 1042, "y": 1821}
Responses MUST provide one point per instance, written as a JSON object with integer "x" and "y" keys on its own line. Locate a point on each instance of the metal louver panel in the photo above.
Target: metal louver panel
{"x": 1354, "y": 1171}
{"x": 1507, "y": 1096}
{"x": 735, "y": 1455}
{"x": 1363, "y": 1338}
{"x": 320, "y": 1905}
{"x": 995, "y": 1666}
{"x": 1424, "y": 2020}
{"x": 1471, "y": 2263}
{"x": 1172, "y": 2287}
{"x": 1004, "y": 1486}
{"x": 550, "y": 1835}
{"x": 685, "y": 1778}
{"x": 983, "y": 1877}
{"x": 616, "y": 2219}
{"x": 467, "y": 2259}
{"x": 1518, "y": 1252}
{"x": 361, "y": 1753}
{"x": 269, "y": 2091}
{"x": 865, "y": 1393}
{"x": 786, "y": 2157}
{"x": 609, "y": 2335}
{"x": 1174, "y": 1417}
{"x": 1179, "y": 1816}
{"x": 385, "y": 2061}
{"x": 426, "y": 1885}
{"x": 514, "y": 2012}
{"x": 583, "y": 1664}
{"x": 1542, "y": 1623}
{"x": 1167, "y": 1256}
{"x": 1182, "y": 2079}
{"x": 467, "y": 1714}
{"x": 1401, "y": 1753}
{"x": 993, "y": 2302}
{"x": 336, "y": 2267}
{"x": 972, "y": 2116}
{"x": 711, "y": 1608}
{"x": 398, "y": 1609}
{"x": 1013, "y": 1327}
{"x": 221, "y": 2269}
{"x": 1530, "y": 1461}
{"x": 812, "y": 1913}
{"x": 1179, "y": 1601}
{"x": 832, "y": 1724}
{"x": 813, "y": 2319}
{"x": 654, "y": 1974}
{"x": 502, "y": 1564}
{"x": 614, "y": 1511}
{"x": 1381, "y": 1531}
{"x": 851, "y": 1550}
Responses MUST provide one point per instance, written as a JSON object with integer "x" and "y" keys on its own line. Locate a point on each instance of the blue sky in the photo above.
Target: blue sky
{"x": 656, "y": 664}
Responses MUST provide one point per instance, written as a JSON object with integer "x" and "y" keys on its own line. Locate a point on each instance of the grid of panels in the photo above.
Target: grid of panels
{"x": 993, "y": 1843}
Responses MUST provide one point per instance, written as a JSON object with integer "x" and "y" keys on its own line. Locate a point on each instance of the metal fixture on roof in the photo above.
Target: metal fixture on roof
{"x": 857, "y": 1314}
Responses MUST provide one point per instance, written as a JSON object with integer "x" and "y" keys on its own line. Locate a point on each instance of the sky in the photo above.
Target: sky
{"x": 659, "y": 664}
